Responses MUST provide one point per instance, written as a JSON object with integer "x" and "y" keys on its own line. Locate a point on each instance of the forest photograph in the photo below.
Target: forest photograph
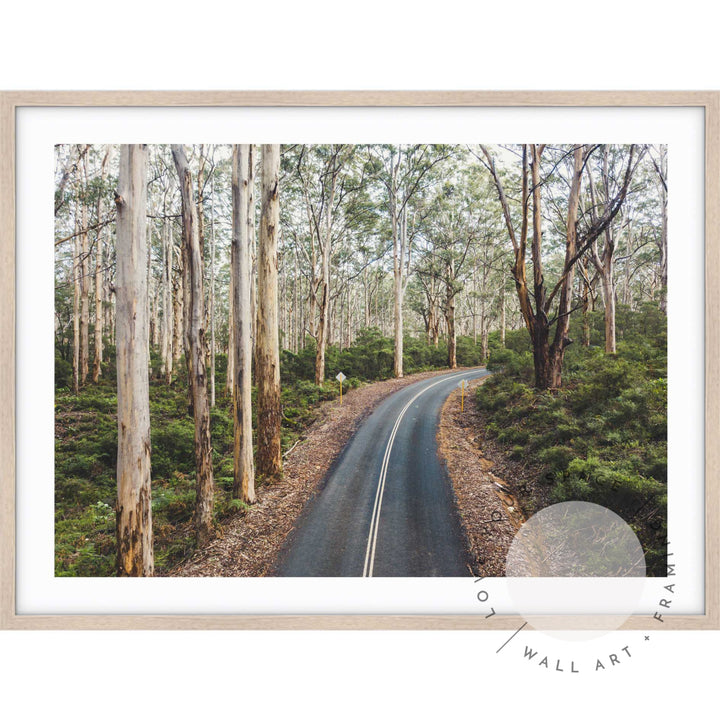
{"x": 353, "y": 360}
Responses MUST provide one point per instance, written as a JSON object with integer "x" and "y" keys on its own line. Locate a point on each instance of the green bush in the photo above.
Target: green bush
{"x": 557, "y": 458}
{"x": 602, "y": 437}
{"x": 173, "y": 448}
{"x": 63, "y": 372}
{"x": 608, "y": 484}
{"x": 517, "y": 364}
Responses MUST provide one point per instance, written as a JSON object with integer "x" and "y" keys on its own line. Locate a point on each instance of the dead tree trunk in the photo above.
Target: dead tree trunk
{"x": 244, "y": 468}
{"x": 134, "y": 508}
{"x": 195, "y": 350}
{"x": 269, "y": 458}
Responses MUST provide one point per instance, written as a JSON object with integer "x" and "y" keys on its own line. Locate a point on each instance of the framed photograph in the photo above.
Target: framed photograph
{"x": 359, "y": 360}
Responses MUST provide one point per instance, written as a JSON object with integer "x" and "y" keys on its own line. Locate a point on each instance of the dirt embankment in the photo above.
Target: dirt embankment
{"x": 488, "y": 505}
{"x": 249, "y": 543}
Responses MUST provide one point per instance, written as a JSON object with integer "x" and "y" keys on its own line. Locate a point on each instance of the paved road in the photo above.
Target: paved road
{"x": 386, "y": 507}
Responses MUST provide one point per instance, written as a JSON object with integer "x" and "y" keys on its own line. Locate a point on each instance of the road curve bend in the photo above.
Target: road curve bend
{"x": 386, "y": 508}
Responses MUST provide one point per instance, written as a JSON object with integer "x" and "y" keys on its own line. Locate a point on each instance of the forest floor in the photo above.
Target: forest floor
{"x": 485, "y": 485}
{"x": 250, "y": 542}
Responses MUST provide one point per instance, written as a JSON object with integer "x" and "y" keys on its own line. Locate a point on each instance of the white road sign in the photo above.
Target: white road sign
{"x": 340, "y": 377}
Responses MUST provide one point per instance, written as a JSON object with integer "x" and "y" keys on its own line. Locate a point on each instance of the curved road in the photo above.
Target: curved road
{"x": 386, "y": 507}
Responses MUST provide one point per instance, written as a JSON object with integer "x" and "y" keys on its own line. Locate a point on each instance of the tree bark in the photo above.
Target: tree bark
{"x": 585, "y": 301}
{"x": 661, "y": 169}
{"x": 502, "y": 313}
{"x": 398, "y": 260}
{"x": 167, "y": 325}
{"x": 76, "y": 310}
{"x": 84, "y": 284}
{"x": 450, "y": 320}
{"x": 178, "y": 312}
{"x": 109, "y": 304}
{"x": 230, "y": 374}
{"x": 244, "y": 468}
{"x": 212, "y": 290}
{"x": 605, "y": 263}
{"x": 195, "y": 350}
{"x": 608, "y": 293}
{"x": 326, "y": 249}
{"x": 155, "y": 299}
{"x": 134, "y": 507}
{"x": 99, "y": 240}
{"x": 322, "y": 329}
{"x": 552, "y": 378}
{"x": 269, "y": 457}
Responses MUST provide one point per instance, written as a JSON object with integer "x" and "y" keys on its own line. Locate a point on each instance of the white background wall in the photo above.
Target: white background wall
{"x": 614, "y": 44}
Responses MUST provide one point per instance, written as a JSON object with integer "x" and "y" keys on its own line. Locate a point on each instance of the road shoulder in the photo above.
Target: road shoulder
{"x": 487, "y": 503}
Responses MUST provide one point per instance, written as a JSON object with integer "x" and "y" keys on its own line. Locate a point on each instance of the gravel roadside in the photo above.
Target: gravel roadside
{"x": 487, "y": 504}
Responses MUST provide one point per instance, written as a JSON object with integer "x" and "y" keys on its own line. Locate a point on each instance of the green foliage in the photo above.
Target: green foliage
{"x": 469, "y": 354}
{"x": 63, "y": 372}
{"x": 602, "y": 438}
{"x": 419, "y": 355}
{"x": 516, "y": 362}
{"x": 173, "y": 447}
{"x": 556, "y": 458}
{"x": 371, "y": 358}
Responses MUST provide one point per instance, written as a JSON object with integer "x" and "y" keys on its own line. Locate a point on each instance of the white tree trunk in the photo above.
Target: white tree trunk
{"x": 323, "y": 325}
{"x": 212, "y": 290}
{"x": 229, "y": 378}
{"x": 84, "y": 286}
{"x": 502, "y": 314}
{"x": 178, "y": 315}
{"x": 76, "y": 310}
{"x": 608, "y": 293}
{"x": 664, "y": 228}
{"x": 242, "y": 179}
{"x": 195, "y": 350}
{"x": 134, "y": 507}
{"x": 99, "y": 271}
{"x": 398, "y": 260}
{"x": 269, "y": 458}
{"x": 167, "y": 322}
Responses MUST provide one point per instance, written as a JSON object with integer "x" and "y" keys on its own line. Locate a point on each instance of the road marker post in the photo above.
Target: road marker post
{"x": 461, "y": 385}
{"x": 340, "y": 377}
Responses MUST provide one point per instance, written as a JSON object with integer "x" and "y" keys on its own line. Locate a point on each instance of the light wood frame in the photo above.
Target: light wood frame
{"x": 11, "y": 101}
